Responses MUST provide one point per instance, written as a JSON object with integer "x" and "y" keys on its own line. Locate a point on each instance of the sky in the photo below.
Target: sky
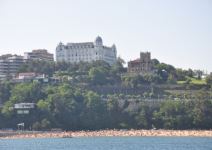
{"x": 177, "y": 32}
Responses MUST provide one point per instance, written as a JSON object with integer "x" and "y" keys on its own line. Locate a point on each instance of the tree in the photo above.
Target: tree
{"x": 26, "y": 92}
{"x": 172, "y": 115}
{"x": 164, "y": 70}
{"x": 7, "y": 109}
{"x": 98, "y": 75}
{"x": 118, "y": 67}
{"x": 114, "y": 113}
{"x": 5, "y": 92}
{"x": 171, "y": 79}
{"x": 37, "y": 66}
{"x": 180, "y": 75}
{"x": 141, "y": 119}
{"x": 155, "y": 62}
{"x": 92, "y": 100}
{"x": 45, "y": 124}
{"x": 202, "y": 114}
{"x": 199, "y": 74}
{"x": 63, "y": 107}
{"x": 93, "y": 116}
{"x": 43, "y": 105}
{"x": 190, "y": 73}
{"x": 209, "y": 79}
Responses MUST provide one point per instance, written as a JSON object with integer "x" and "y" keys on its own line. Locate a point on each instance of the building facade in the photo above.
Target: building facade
{"x": 10, "y": 65}
{"x": 24, "y": 108}
{"x": 141, "y": 65}
{"x": 86, "y": 52}
{"x": 39, "y": 54}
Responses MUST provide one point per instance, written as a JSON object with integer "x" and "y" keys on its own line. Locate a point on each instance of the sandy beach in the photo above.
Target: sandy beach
{"x": 108, "y": 133}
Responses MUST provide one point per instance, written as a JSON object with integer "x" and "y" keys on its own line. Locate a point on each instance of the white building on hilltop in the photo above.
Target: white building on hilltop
{"x": 86, "y": 52}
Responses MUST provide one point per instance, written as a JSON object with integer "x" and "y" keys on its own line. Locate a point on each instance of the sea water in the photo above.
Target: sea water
{"x": 109, "y": 143}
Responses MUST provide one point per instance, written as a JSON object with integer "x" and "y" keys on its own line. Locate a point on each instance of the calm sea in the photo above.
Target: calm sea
{"x": 109, "y": 143}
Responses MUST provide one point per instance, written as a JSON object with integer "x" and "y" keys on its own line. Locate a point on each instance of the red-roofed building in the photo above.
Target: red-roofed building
{"x": 141, "y": 65}
{"x": 26, "y": 75}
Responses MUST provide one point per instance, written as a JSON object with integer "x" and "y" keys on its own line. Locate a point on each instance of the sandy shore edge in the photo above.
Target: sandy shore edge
{"x": 108, "y": 133}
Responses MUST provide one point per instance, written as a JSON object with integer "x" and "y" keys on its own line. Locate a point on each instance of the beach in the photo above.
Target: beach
{"x": 105, "y": 133}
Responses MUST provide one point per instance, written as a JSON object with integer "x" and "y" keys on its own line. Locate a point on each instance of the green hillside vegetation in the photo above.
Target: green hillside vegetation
{"x": 192, "y": 80}
{"x": 91, "y": 96}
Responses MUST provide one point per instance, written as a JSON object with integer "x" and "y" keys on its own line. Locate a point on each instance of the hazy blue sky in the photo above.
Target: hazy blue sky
{"x": 178, "y": 32}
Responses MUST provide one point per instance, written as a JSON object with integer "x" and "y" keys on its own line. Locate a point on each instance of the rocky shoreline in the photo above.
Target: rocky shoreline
{"x": 106, "y": 133}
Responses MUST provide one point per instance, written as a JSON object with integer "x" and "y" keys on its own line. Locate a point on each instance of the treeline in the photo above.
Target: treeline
{"x": 101, "y": 73}
{"x": 71, "y": 108}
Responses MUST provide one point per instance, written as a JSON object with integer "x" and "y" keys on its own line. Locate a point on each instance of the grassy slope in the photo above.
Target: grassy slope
{"x": 194, "y": 81}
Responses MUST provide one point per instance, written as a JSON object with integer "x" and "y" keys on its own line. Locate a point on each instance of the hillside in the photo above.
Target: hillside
{"x": 90, "y": 96}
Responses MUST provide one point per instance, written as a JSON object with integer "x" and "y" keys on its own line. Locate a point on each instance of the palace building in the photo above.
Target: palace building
{"x": 141, "y": 65}
{"x": 86, "y": 52}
